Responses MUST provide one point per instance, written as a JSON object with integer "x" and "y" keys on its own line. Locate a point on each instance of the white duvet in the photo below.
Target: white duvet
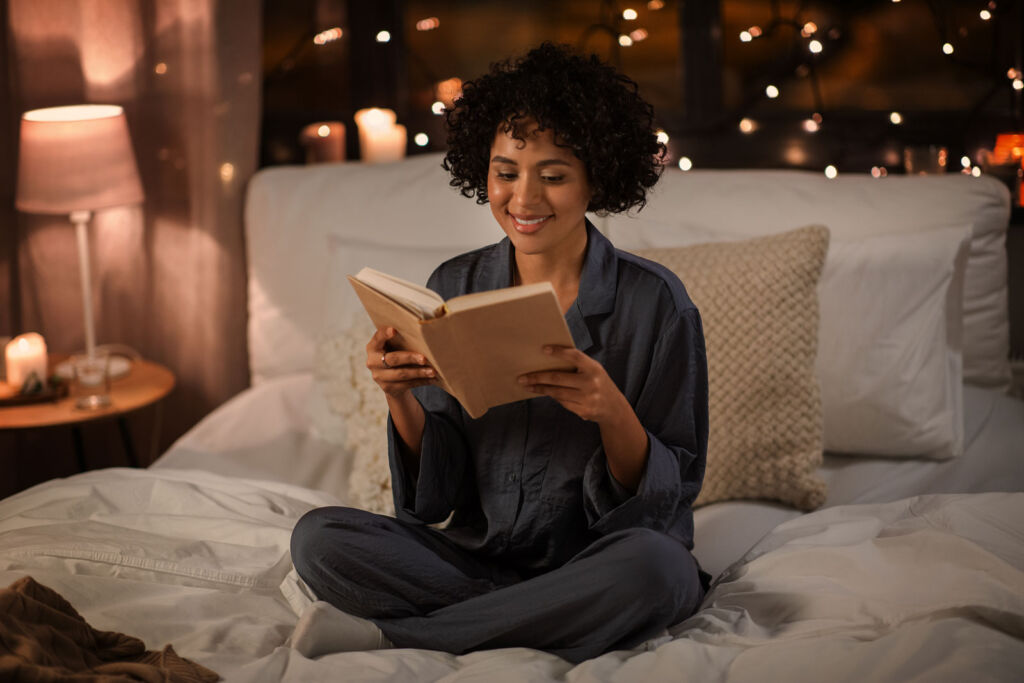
{"x": 926, "y": 588}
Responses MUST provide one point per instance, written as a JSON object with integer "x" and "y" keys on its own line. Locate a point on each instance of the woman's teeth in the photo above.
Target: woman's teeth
{"x": 535, "y": 221}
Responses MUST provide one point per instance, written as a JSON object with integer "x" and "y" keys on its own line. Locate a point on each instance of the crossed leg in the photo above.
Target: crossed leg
{"x": 425, "y": 592}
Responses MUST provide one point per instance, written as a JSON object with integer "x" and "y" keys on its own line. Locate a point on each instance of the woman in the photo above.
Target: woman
{"x": 571, "y": 525}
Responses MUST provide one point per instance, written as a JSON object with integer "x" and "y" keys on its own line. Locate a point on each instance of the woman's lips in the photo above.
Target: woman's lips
{"x": 528, "y": 224}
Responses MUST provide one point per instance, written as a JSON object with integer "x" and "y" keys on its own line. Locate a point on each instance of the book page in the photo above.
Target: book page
{"x": 423, "y": 302}
{"x": 386, "y": 312}
{"x": 493, "y": 296}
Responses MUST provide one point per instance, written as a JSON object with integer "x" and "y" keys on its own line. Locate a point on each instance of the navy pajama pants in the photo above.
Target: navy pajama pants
{"x": 426, "y": 592}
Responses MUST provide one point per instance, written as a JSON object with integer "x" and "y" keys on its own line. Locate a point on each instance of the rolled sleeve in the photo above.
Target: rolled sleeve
{"x": 444, "y": 454}
{"x": 432, "y": 495}
{"x": 672, "y": 407}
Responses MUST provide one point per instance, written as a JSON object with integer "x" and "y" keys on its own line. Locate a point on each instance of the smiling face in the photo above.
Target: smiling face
{"x": 538, "y": 193}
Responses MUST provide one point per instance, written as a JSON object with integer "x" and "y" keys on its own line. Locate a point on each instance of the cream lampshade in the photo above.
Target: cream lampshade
{"x": 74, "y": 160}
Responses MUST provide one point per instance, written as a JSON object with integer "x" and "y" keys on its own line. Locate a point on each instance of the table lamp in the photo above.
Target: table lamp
{"x": 74, "y": 160}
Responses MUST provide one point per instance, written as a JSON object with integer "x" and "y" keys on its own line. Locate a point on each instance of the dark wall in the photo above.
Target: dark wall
{"x": 877, "y": 57}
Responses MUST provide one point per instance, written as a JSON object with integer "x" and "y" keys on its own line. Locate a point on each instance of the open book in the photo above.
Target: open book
{"x": 479, "y": 344}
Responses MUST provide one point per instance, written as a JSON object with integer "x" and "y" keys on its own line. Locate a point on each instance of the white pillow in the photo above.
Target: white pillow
{"x": 890, "y": 343}
{"x": 291, "y": 210}
{"x": 346, "y": 256}
{"x": 889, "y": 347}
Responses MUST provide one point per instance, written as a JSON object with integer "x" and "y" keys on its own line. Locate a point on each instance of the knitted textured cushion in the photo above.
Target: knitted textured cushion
{"x": 758, "y": 301}
{"x": 358, "y": 405}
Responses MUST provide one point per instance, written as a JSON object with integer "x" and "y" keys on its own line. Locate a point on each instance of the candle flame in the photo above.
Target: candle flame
{"x": 375, "y": 118}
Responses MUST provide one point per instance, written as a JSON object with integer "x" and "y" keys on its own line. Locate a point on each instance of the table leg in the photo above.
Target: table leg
{"x": 154, "y": 444}
{"x": 126, "y": 439}
{"x": 76, "y": 438}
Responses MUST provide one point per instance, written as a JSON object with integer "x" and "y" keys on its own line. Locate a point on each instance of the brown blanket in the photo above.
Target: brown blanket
{"x": 43, "y": 638}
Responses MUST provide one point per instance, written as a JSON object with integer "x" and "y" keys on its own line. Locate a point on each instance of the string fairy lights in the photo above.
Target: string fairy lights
{"x": 611, "y": 23}
{"x": 428, "y": 24}
{"x": 328, "y": 36}
{"x": 816, "y": 43}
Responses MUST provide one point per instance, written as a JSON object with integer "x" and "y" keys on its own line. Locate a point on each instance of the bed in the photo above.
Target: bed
{"x": 896, "y": 555}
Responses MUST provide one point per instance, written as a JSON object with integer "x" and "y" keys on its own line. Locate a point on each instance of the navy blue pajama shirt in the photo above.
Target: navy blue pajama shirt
{"x": 528, "y": 481}
{"x": 545, "y": 548}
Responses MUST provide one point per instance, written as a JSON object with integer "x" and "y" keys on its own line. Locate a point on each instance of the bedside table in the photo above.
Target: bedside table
{"x": 144, "y": 385}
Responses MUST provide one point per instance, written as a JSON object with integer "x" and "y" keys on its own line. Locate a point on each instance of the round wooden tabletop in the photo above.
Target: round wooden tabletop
{"x": 145, "y": 384}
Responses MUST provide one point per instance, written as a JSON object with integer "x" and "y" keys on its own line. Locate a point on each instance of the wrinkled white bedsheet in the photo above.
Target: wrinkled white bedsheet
{"x": 183, "y": 557}
{"x": 930, "y": 588}
{"x": 266, "y": 432}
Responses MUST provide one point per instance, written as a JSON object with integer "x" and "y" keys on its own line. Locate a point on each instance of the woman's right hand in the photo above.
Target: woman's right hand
{"x": 396, "y": 372}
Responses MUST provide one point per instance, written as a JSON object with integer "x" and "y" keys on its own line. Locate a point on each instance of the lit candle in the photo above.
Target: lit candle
{"x": 380, "y": 138}
{"x": 324, "y": 141}
{"x": 24, "y": 355}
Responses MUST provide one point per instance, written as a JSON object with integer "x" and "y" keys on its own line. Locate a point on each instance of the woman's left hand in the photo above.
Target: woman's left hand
{"x": 588, "y": 391}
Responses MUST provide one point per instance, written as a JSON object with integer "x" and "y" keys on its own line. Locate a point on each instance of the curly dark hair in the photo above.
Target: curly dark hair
{"x": 590, "y": 107}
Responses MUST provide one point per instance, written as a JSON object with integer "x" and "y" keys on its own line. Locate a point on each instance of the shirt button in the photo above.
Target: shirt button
{"x": 512, "y": 477}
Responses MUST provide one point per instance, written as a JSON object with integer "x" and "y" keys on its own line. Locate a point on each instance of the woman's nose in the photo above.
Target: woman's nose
{"x": 527, "y": 191}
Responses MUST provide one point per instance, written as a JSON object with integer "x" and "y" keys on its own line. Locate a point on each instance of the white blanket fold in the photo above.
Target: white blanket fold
{"x": 927, "y": 588}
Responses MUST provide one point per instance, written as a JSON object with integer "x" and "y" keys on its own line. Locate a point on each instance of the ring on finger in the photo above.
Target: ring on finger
{"x": 384, "y": 360}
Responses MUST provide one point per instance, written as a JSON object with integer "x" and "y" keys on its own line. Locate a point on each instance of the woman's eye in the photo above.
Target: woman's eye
{"x": 506, "y": 176}
{"x": 553, "y": 178}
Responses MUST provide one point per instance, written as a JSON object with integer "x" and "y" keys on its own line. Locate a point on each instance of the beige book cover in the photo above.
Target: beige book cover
{"x": 479, "y": 344}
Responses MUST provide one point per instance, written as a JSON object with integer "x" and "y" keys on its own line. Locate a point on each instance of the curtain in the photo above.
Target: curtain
{"x": 169, "y": 275}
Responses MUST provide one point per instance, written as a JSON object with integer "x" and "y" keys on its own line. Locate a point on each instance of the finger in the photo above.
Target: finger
{"x": 554, "y": 377}
{"x": 379, "y": 339}
{"x": 570, "y": 354}
{"x": 402, "y": 358}
{"x": 403, "y": 374}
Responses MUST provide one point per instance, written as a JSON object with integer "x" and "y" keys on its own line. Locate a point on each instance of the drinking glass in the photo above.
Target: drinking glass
{"x": 92, "y": 381}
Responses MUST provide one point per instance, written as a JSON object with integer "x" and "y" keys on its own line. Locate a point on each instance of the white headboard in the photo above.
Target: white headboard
{"x": 737, "y": 204}
{"x": 293, "y": 212}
